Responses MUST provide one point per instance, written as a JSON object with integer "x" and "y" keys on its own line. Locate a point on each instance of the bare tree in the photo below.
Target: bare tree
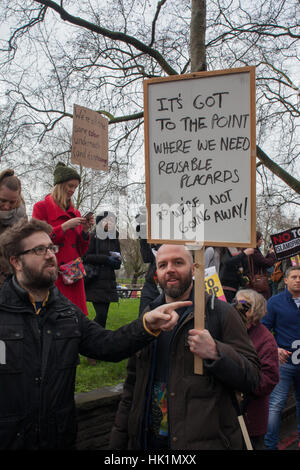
{"x": 97, "y": 53}
{"x": 272, "y": 218}
{"x": 132, "y": 260}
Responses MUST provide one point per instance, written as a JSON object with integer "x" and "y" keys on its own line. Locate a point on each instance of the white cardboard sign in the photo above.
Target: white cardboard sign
{"x": 200, "y": 154}
{"x": 89, "y": 139}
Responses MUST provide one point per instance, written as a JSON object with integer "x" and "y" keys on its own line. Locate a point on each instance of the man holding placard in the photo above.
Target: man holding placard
{"x": 165, "y": 405}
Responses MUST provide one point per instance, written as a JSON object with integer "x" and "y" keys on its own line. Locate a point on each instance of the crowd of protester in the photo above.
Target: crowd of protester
{"x": 269, "y": 309}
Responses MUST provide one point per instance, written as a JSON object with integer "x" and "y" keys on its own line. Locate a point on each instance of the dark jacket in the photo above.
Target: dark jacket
{"x": 260, "y": 262}
{"x": 150, "y": 289}
{"x": 283, "y": 318}
{"x": 257, "y": 403}
{"x": 104, "y": 287}
{"x": 37, "y": 371}
{"x": 201, "y": 413}
{"x": 232, "y": 270}
{"x": 259, "y": 265}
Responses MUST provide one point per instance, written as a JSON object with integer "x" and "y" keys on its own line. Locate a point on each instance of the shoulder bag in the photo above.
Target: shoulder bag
{"x": 258, "y": 282}
{"x": 71, "y": 272}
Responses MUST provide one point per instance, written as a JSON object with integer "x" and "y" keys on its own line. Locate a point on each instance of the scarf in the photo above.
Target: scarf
{"x": 9, "y": 218}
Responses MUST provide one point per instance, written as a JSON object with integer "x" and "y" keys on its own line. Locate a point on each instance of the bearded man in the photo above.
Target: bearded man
{"x": 41, "y": 335}
{"x": 165, "y": 405}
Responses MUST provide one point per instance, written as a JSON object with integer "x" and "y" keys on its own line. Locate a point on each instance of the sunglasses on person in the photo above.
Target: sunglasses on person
{"x": 41, "y": 250}
{"x": 242, "y": 306}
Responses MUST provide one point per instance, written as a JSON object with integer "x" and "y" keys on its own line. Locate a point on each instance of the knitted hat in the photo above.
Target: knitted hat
{"x": 63, "y": 173}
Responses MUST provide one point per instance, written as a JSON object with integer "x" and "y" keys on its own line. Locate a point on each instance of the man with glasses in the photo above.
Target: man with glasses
{"x": 41, "y": 335}
{"x": 283, "y": 318}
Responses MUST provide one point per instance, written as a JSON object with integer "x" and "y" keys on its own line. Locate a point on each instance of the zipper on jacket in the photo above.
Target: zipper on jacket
{"x": 185, "y": 319}
{"x": 37, "y": 335}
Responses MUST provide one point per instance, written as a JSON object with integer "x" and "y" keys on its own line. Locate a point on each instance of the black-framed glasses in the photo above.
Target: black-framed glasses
{"x": 41, "y": 250}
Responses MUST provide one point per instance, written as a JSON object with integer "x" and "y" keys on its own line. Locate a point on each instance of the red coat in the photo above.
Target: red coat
{"x": 71, "y": 245}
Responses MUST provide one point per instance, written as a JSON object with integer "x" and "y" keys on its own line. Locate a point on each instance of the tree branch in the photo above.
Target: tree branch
{"x": 278, "y": 171}
{"x": 114, "y": 35}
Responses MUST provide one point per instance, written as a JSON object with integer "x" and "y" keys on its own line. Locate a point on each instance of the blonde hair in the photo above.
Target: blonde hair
{"x": 258, "y": 305}
{"x": 59, "y": 195}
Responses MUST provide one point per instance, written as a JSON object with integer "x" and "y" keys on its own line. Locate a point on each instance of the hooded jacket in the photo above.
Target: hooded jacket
{"x": 38, "y": 360}
{"x": 201, "y": 408}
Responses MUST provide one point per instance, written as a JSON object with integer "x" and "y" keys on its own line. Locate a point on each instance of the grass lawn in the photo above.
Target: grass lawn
{"x": 105, "y": 374}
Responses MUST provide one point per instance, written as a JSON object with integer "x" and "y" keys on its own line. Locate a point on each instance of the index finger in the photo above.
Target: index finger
{"x": 175, "y": 305}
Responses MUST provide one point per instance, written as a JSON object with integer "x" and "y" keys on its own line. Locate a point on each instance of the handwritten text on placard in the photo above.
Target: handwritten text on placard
{"x": 199, "y": 154}
{"x": 89, "y": 139}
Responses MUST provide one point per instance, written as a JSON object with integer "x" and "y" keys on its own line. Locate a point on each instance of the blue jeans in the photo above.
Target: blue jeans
{"x": 289, "y": 374}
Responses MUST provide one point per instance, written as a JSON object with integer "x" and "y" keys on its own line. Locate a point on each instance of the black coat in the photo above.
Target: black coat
{"x": 150, "y": 290}
{"x": 104, "y": 287}
{"x": 232, "y": 269}
{"x": 39, "y": 355}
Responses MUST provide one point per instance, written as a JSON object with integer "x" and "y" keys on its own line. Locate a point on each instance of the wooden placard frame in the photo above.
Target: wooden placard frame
{"x": 252, "y": 152}
{"x": 199, "y": 300}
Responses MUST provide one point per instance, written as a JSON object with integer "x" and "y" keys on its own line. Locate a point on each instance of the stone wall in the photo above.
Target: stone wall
{"x": 96, "y": 412}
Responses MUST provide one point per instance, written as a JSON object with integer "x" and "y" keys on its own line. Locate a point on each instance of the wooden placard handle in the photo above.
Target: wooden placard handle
{"x": 199, "y": 301}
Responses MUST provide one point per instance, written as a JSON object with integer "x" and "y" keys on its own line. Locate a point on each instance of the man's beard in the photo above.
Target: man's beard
{"x": 38, "y": 279}
{"x": 175, "y": 292}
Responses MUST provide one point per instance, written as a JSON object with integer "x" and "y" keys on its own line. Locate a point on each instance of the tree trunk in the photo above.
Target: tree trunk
{"x": 197, "y": 36}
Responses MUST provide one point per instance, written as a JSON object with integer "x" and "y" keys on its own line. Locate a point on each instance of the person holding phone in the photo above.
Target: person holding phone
{"x": 70, "y": 229}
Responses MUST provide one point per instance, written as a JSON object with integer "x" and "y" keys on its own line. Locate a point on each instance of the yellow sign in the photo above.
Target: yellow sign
{"x": 295, "y": 260}
{"x": 212, "y": 283}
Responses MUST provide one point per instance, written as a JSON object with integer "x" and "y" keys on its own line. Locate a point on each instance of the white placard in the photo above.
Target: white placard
{"x": 200, "y": 157}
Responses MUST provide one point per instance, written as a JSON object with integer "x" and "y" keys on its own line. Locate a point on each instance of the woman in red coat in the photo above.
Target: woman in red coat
{"x": 70, "y": 230}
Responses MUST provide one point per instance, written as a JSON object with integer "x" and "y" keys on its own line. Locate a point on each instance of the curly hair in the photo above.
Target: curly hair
{"x": 11, "y": 241}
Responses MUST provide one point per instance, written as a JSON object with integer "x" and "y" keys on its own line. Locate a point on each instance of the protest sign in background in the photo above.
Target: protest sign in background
{"x": 200, "y": 157}
{"x": 286, "y": 244}
{"x": 213, "y": 284}
{"x": 89, "y": 139}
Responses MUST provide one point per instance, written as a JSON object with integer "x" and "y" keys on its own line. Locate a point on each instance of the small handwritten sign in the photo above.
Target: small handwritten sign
{"x": 200, "y": 157}
{"x": 89, "y": 139}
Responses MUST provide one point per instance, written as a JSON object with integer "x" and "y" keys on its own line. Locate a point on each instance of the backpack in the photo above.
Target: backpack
{"x": 277, "y": 274}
